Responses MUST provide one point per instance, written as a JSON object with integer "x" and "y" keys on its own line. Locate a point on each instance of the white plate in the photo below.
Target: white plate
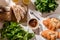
{"x": 51, "y": 16}
{"x": 47, "y": 14}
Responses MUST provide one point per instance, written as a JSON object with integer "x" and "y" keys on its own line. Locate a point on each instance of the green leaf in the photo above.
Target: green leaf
{"x": 45, "y": 1}
{"x": 51, "y": 5}
{"x": 25, "y": 37}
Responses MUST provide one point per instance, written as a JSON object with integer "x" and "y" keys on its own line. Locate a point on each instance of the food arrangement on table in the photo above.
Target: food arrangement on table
{"x": 20, "y": 22}
{"x": 12, "y": 17}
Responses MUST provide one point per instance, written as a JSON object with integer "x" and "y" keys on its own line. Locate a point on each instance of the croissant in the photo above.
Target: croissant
{"x": 50, "y": 35}
{"x": 52, "y": 23}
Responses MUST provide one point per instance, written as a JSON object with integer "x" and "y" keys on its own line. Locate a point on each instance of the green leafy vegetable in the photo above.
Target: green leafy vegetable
{"x": 46, "y": 5}
{"x": 13, "y": 31}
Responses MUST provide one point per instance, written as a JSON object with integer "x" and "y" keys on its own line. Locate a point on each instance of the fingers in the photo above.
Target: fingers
{"x": 21, "y": 8}
{"x": 21, "y": 13}
{"x": 18, "y": 12}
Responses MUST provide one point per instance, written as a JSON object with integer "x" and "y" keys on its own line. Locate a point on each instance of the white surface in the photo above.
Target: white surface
{"x": 51, "y": 16}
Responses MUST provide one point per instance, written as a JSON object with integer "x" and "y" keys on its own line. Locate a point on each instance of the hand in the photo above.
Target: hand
{"x": 19, "y": 12}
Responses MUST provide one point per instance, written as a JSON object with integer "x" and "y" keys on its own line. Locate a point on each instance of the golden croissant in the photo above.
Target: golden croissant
{"x": 52, "y": 23}
{"x": 50, "y": 35}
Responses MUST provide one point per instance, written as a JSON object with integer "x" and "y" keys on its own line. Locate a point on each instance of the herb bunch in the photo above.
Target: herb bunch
{"x": 13, "y": 31}
{"x": 46, "y": 5}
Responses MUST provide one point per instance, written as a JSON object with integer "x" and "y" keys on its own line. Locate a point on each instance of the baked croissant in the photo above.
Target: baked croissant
{"x": 50, "y": 35}
{"x": 52, "y": 23}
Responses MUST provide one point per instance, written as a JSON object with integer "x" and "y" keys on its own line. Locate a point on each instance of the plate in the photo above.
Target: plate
{"x": 47, "y": 14}
{"x": 51, "y": 16}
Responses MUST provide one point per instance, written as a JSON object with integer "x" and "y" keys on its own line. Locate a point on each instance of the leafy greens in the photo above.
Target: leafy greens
{"x": 13, "y": 31}
{"x": 46, "y": 5}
